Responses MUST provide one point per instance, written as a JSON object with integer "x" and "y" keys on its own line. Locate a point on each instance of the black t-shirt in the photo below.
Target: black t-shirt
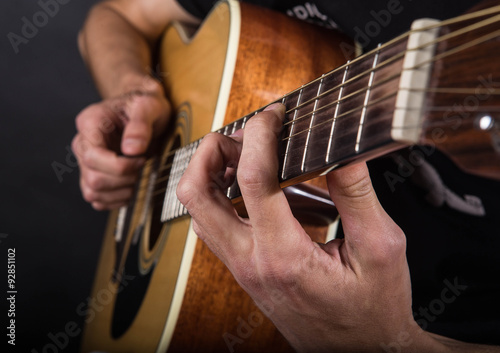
{"x": 451, "y": 219}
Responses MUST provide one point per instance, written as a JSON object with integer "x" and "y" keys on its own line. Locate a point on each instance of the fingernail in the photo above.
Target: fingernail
{"x": 133, "y": 145}
{"x": 237, "y": 135}
{"x": 275, "y": 106}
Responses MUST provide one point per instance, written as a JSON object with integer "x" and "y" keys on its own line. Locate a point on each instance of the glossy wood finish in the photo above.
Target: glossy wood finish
{"x": 277, "y": 54}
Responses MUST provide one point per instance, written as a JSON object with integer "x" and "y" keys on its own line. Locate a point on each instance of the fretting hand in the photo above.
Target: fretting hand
{"x": 351, "y": 294}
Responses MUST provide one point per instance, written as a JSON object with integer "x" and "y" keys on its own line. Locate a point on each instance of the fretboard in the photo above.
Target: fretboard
{"x": 343, "y": 116}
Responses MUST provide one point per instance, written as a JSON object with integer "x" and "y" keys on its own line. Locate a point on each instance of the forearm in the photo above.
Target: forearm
{"x": 117, "y": 54}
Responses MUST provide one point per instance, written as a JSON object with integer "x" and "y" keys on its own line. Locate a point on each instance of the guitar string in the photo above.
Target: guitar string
{"x": 400, "y": 55}
{"x": 402, "y": 37}
{"x": 395, "y": 76}
{"x": 368, "y": 72}
{"x": 441, "y": 90}
{"x": 399, "y": 39}
{"x": 379, "y": 66}
{"x": 363, "y": 90}
{"x": 381, "y": 100}
{"x": 456, "y": 20}
{"x": 450, "y": 52}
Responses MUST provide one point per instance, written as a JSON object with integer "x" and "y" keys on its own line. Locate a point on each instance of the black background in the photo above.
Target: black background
{"x": 57, "y": 236}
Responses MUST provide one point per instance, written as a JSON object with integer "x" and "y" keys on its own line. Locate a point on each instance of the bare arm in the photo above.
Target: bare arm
{"x": 117, "y": 38}
{"x": 116, "y": 44}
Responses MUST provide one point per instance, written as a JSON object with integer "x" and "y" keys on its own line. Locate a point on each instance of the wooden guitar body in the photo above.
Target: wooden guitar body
{"x": 158, "y": 288}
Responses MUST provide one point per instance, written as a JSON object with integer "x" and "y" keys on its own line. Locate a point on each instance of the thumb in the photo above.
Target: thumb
{"x": 143, "y": 112}
{"x": 367, "y": 227}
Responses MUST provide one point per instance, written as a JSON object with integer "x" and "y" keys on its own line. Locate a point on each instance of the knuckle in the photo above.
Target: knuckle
{"x": 94, "y": 181}
{"x": 252, "y": 181}
{"x": 83, "y": 118}
{"x": 212, "y": 139}
{"x": 89, "y": 195}
{"x": 87, "y": 158}
{"x": 75, "y": 145}
{"x": 279, "y": 275}
{"x": 391, "y": 250}
{"x": 360, "y": 188}
{"x": 98, "y": 206}
{"x": 186, "y": 192}
{"x": 266, "y": 122}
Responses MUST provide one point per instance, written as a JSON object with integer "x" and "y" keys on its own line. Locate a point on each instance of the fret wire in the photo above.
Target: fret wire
{"x": 174, "y": 183}
{"x": 335, "y": 115}
{"x": 245, "y": 119}
{"x": 395, "y": 40}
{"x": 451, "y": 90}
{"x": 192, "y": 149}
{"x": 185, "y": 163}
{"x": 400, "y": 55}
{"x": 405, "y": 35}
{"x": 351, "y": 95}
{"x": 463, "y": 47}
{"x": 176, "y": 202}
{"x": 450, "y": 52}
{"x": 287, "y": 149}
{"x": 302, "y": 166}
{"x": 365, "y": 103}
{"x": 434, "y": 124}
{"x": 171, "y": 183}
{"x": 347, "y": 113}
{"x": 168, "y": 195}
{"x": 179, "y": 205}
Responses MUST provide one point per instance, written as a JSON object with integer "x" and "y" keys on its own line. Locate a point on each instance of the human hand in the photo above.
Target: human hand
{"x": 112, "y": 137}
{"x": 351, "y": 294}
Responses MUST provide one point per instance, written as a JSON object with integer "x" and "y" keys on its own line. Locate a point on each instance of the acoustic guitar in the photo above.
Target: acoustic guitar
{"x": 157, "y": 287}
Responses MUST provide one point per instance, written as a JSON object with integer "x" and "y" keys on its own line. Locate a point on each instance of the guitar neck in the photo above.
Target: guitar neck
{"x": 373, "y": 105}
{"x": 344, "y": 115}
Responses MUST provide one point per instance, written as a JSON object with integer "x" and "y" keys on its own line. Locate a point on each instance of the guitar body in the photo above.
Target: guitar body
{"x": 158, "y": 288}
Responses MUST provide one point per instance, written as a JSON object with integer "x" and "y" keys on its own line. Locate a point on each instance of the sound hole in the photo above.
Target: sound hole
{"x": 164, "y": 169}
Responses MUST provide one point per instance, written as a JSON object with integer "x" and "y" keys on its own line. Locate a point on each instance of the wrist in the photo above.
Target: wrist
{"x": 140, "y": 84}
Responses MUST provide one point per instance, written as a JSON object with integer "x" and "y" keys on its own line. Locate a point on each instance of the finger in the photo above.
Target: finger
{"x": 103, "y": 160}
{"x": 258, "y": 171}
{"x": 98, "y": 206}
{"x": 200, "y": 190}
{"x": 97, "y": 122}
{"x": 105, "y": 199}
{"x": 144, "y": 113}
{"x": 367, "y": 227}
{"x": 99, "y": 181}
